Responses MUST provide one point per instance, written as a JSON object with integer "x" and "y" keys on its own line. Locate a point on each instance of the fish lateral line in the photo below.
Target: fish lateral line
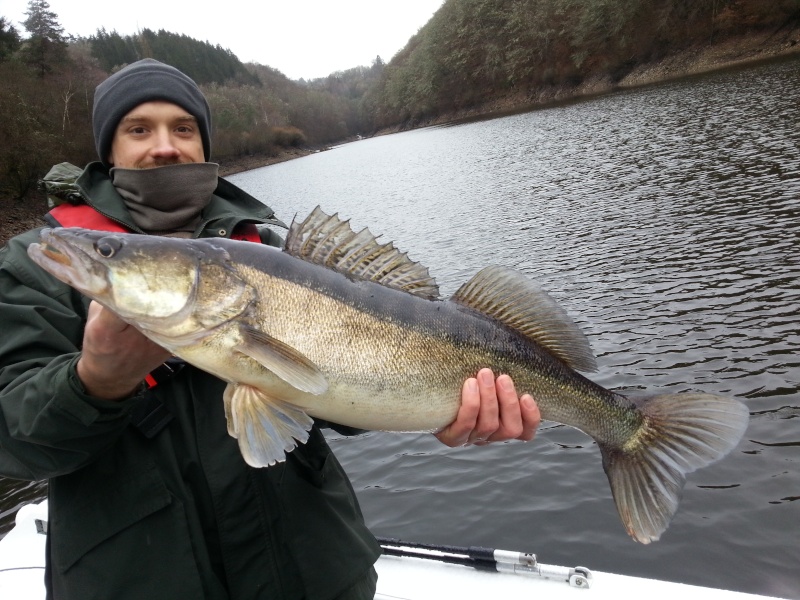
{"x": 648, "y": 445}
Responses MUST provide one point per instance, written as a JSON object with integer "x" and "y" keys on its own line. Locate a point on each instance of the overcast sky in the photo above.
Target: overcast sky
{"x": 301, "y": 38}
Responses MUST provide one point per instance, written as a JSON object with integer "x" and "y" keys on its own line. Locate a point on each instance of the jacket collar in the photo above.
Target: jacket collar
{"x": 228, "y": 207}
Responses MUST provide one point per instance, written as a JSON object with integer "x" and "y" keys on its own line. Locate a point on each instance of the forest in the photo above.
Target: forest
{"x": 50, "y": 76}
{"x": 473, "y": 52}
{"x": 470, "y": 53}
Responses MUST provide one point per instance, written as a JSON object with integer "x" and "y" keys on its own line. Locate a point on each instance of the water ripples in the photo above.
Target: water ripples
{"x": 665, "y": 219}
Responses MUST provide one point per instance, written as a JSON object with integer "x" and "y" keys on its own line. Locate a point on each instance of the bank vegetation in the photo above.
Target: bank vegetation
{"x": 476, "y": 54}
{"x": 471, "y": 57}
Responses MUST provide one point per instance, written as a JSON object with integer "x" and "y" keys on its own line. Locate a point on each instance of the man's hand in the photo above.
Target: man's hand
{"x": 116, "y": 357}
{"x": 491, "y": 412}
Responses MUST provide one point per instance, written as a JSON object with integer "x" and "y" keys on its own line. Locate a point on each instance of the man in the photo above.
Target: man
{"x": 149, "y": 496}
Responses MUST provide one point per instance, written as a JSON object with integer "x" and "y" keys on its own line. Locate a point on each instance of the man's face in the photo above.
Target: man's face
{"x": 156, "y": 134}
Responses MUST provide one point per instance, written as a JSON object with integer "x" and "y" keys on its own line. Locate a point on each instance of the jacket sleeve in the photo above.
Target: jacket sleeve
{"x": 48, "y": 424}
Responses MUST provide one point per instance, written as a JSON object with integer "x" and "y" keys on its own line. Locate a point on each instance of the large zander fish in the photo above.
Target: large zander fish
{"x": 341, "y": 327}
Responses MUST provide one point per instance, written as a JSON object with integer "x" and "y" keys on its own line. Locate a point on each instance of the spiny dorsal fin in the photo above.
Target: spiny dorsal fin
{"x": 508, "y": 296}
{"x": 328, "y": 241}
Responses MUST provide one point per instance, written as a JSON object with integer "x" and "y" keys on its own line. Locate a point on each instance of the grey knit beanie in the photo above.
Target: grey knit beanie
{"x": 144, "y": 81}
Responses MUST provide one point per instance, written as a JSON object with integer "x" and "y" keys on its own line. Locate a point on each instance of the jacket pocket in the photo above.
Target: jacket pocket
{"x": 105, "y": 512}
{"x": 312, "y": 461}
{"x": 128, "y": 538}
{"x": 322, "y": 521}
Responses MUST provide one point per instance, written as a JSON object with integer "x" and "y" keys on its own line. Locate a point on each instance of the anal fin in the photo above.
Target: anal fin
{"x": 266, "y": 428}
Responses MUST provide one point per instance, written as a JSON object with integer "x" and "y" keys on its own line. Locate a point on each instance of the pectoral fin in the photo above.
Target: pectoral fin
{"x": 265, "y": 428}
{"x": 283, "y": 360}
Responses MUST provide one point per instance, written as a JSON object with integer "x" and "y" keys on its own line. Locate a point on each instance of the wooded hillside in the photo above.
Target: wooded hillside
{"x": 474, "y": 51}
{"x": 49, "y": 80}
{"x": 471, "y": 53}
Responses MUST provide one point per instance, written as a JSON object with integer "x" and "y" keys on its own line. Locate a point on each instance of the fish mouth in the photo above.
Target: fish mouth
{"x": 70, "y": 261}
{"x": 56, "y": 254}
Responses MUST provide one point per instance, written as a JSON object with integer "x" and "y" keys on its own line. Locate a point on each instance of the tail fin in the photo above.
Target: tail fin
{"x": 681, "y": 433}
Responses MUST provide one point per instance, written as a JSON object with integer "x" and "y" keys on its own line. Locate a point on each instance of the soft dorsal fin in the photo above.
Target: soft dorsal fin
{"x": 328, "y": 241}
{"x": 511, "y": 298}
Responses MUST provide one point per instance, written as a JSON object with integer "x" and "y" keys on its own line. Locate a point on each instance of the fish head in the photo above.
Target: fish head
{"x": 168, "y": 286}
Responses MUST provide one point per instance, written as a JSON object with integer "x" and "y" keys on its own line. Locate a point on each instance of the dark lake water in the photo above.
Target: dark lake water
{"x": 665, "y": 220}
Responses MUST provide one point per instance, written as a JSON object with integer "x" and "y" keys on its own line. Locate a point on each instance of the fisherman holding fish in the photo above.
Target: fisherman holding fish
{"x": 149, "y": 495}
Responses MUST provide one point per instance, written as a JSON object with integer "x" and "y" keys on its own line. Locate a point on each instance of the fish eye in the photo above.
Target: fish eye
{"x": 107, "y": 247}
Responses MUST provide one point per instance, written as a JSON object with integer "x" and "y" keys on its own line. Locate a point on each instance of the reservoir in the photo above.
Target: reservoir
{"x": 665, "y": 220}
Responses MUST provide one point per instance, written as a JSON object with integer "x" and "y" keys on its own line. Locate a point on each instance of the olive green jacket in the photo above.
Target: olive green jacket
{"x": 178, "y": 514}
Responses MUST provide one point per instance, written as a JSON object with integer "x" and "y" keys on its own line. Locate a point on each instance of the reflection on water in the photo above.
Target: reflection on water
{"x": 665, "y": 220}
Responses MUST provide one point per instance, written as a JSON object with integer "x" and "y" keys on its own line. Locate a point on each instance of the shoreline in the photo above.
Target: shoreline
{"x": 248, "y": 163}
{"x": 19, "y": 217}
{"x": 734, "y": 52}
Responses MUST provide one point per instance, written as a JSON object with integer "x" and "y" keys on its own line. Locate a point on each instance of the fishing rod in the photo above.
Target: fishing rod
{"x": 487, "y": 559}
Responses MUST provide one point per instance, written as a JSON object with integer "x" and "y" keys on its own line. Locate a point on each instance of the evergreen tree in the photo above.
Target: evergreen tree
{"x": 47, "y": 45}
{"x": 201, "y": 61}
{"x": 112, "y": 50}
{"x": 9, "y": 39}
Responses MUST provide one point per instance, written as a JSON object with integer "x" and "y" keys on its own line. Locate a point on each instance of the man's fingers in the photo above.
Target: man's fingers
{"x": 115, "y": 357}
{"x": 531, "y": 417}
{"x": 489, "y": 413}
{"x": 510, "y": 416}
{"x": 110, "y": 321}
{"x": 457, "y": 433}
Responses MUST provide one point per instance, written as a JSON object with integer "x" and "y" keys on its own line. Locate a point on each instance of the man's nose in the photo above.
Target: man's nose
{"x": 165, "y": 145}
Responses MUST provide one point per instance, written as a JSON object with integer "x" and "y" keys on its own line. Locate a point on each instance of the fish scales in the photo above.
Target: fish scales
{"x": 340, "y": 327}
{"x": 423, "y": 349}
